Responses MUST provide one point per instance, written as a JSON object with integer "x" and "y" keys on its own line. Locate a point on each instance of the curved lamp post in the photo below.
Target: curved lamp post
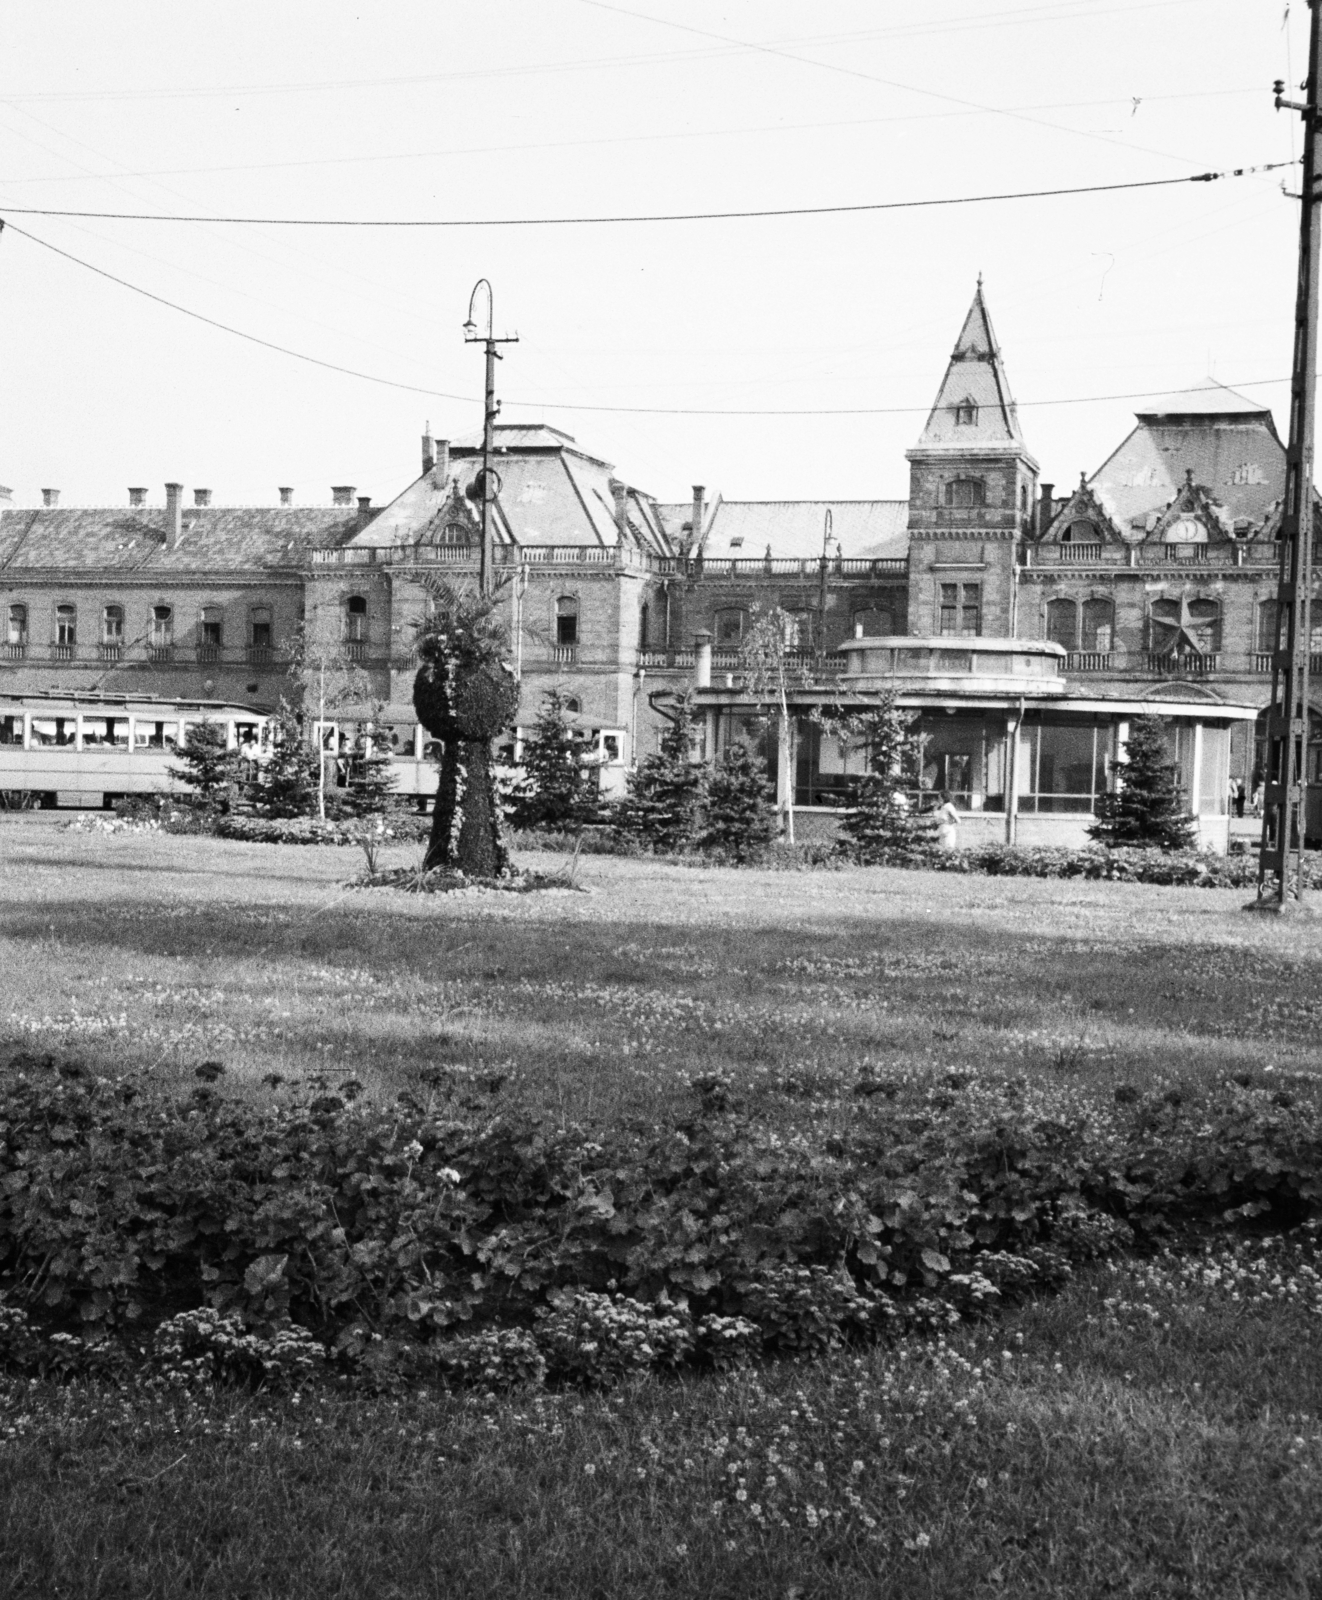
{"x": 491, "y": 410}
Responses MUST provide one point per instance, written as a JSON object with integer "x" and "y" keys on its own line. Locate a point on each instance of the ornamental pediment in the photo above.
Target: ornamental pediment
{"x": 1085, "y": 518}
{"x": 1193, "y": 517}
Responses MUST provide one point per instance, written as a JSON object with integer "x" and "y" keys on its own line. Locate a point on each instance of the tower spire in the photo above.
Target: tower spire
{"x": 974, "y": 404}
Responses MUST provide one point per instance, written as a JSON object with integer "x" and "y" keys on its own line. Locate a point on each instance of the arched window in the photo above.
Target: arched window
{"x": 162, "y": 625}
{"x": 872, "y": 623}
{"x": 259, "y": 623}
{"x": 966, "y": 492}
{"x": 112, "y": 630}
{"x": 798, "y": 630}
{"x": 1063, "y": 623}
{"x": 1080, "y": 532}
{"x": 966, "y": 413}
{"x": 355, "y": 619}
{"x": 1098, "y": 626}
{"x": 731, "y": 625}
{"x": 456, "y": 533}
{"x": 18, "y": 626}
{"x": 66, "y": 627}
{"x": 573, "y": 705}
{"x": 566, "y": 621}
{"x": 643, "y": 618}
{"x": 211, "y": 628}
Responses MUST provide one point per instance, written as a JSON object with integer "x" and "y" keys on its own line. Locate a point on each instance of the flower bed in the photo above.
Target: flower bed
{"x": 398, "y": 828}
{"x": 1181, "y": 868}
{"x": 469, "y": 1240}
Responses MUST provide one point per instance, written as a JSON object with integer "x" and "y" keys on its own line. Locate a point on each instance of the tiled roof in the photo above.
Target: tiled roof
{"x": 1206, "y": 399}
{"x": 1238, "y": 460}
{"x": 976, "y": 377}
{"x": 866, "y": 529}
{"x": 124, "y": 539}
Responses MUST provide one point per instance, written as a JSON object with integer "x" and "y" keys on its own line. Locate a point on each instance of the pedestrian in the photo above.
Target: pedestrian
{"x": 1236, "y": 797}
{"x": 947, "y": 822}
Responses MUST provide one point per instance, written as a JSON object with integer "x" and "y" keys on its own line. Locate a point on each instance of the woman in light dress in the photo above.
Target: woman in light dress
{"x": 947, "y": 823}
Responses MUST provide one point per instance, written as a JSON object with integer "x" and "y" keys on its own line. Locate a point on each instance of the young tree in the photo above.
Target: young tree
{"x": 465, "y": 694}
{"x": 372, "y": 774}
{"x": 741, "y": 807}
{"x": 556, "y": 790}
{"x": 326, "y": 682}
{"x": 666, "y": 791}
{"x": 769, "y": 672}
{"x": 288, "y": 786}
{"x": 209, "y": 768}
{"x": 883, "y": 819}
{"x": 1146, "y": 808}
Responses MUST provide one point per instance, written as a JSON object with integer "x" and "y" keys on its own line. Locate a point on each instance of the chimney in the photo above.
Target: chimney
{"x": 702, "y": 658}
{"x": 342, "y": 494}
{"x": 428, "y": 451}
{"x": 442, "y": 476}
{"x": 137, "y": 497}
{"x": 1044, "y": 508}
{"x": 201, "y": 497}
{"x": 621, "y": 494}
{"x": 286, "y": 496}
{"x": 174, "y": 506}
{"x": 364, "y": 511}
{"x": 699, "y": 513}
{"x": 50, "y": 497}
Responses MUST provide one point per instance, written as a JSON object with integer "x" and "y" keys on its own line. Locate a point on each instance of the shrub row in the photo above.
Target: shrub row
{"x": 397, "y": 828}
{"x": 1186, "y": 868}
{"x": 390, "y": 1233}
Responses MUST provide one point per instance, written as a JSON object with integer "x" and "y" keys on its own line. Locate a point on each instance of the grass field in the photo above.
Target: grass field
{"x": 1151, "y": 1431}
{"x": 146, "y": 949}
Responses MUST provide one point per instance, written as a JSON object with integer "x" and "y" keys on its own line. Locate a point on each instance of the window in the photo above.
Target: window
{"x": 966, "y": 492}
{"x": 456, "y": 533}
{"x": 11, "y": 729}
{"x": 155, "y": 735}
{"x": 1063, "y": 623}
{"x": 66, "y": 627}
{"x": 873, "y": 623}
{"x": 53, "y": 732}
{"x": 1267, "y": 614}
{"x": 112, "y": 732}
{"x": 18, "y": 625}
{"x": 798, "y": 630}
{"x": 112, "y": 625}
{"x": 573, "y": 705}
{"x": 961, "y": 608}
{"x": 566, "y": 621}
{"x": 260, "y": 623}
{"x": 162, "y": 627}
{"x": 1098, "y": 625}
{"x": 1080, "y": 532}
{"x": 211, "y": 629}
{"x": 966, "y": 414}
{"x": 355, "y": 619}
{"x": 643, "y": 614}
{"x": 731, "y": 625}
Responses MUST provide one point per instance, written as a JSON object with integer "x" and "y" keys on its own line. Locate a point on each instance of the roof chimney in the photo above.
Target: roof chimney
{"x": 286, "y": 497}
{"x": 137, "y": 497}
{"x": 428, "y": 451}
{"x": 442, "y": 473}
{"x": 50, "y": 497}
{"x": 201, "y": 497}
{"x": 364, "y": 510}
{"x": 699, "y": 513}
{"x": 342, "y": 494}
{"x": 174, "y": 506}
{"x": 1044, "y": 508}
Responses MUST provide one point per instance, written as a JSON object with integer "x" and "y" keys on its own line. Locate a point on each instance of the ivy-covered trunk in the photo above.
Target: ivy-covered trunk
{"x": 466, "y": 828}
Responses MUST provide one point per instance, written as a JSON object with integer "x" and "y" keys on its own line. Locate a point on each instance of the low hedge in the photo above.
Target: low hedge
{"x": 1182, "y": 868}
{"x": 390, "y": 1233}
{"x": 398, "y": 828}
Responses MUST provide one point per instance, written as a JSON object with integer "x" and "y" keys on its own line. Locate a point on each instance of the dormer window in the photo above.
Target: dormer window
{"x": 1080, "y": 532}
{"x": 966, "y": 492}
{"x": 737, "y": 543}
{"x": 966, "y": 414}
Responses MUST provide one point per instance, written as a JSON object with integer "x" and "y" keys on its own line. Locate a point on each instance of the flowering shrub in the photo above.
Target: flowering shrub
{"x": 200, "y": 1347}
{"x": 807, "y": 1310}
{"x": 724, "y": 1342}
{"x": 599, "y": 1337}
{"x": 401, "y": 827}
{"x": 497, "y": 1358}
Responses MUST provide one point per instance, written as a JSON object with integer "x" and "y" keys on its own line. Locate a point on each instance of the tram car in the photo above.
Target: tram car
{"x": 92, "y": 749}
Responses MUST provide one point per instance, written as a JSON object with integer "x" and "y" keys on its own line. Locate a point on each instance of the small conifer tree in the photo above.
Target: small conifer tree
{"x": 883, "y": 821}
{"x": 372, "y": 774}
{"x": 288, "y": 786}
{"x": 556, "y": 791}
{"x": 1146, "y": 808}
{"x": 664, "y": 805}
{"x": 209, "y": 768}
{"x": 741, "y": 807}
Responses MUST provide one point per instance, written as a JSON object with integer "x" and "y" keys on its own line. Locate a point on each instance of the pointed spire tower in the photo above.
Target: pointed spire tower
{"x": 972, "y": 488}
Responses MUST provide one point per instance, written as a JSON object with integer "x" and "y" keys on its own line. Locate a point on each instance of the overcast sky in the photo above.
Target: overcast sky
{"x": 499, "y": 109}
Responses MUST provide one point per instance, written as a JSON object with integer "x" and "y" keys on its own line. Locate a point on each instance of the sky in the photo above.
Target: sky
{"x": 655, "y": 344}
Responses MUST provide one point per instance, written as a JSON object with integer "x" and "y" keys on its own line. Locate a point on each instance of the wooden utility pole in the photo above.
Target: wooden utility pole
{"x": 1284, "y": 817}
{"x": 490, "y": 411}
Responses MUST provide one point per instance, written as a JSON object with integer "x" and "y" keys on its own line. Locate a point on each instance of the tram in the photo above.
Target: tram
{"x": 92, "y": 749}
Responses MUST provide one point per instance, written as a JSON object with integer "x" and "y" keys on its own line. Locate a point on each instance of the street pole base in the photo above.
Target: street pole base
{"x": 1270, "y": 906}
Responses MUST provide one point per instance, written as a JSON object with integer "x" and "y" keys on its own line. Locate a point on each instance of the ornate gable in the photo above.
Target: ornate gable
{"x": 1085, "y": 518}
{"x": 1193, "y": 517}
{"x": 454, "y": 523}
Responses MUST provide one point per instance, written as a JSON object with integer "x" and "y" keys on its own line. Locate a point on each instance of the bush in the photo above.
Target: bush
{"x": 741, "y": 810}
{"x": 556, "y": 790}
{"x": 207, "y": 766}
{"x": 401, "y": 827}
{"x": 498, "y": 1358}
{"x": 666, "y": 791}
{"x": 205, "y": 1347}
{"x": 596, "y": 1338}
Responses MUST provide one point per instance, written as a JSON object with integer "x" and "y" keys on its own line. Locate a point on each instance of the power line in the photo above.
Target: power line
{"x": 559, "y": 405}
{"x": 661, "y": 216}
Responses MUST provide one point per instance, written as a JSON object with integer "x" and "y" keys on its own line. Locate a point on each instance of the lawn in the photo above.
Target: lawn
{"x": 1151, "y": 1430}
{"x": 166, "y": 951}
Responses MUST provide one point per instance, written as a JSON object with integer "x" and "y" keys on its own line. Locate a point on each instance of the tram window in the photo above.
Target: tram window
{"x": 155, "y": 735}
{"x": 610, "y": 747}
{"x": 112, "y": 731}
{"x": 54, "y": 732}
{"x": 398, "y": 740}
{"x": 11, "y": 729}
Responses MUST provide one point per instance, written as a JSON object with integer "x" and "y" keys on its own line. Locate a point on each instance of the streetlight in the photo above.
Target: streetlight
{"x": 828, "y": 539}
{"x": 491, "y": 411}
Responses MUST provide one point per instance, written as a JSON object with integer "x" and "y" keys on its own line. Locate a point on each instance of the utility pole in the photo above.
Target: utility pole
{"x": 827, "y": 537}
{"x": 491, "y": 410}
{"x": 1285, "y": 795}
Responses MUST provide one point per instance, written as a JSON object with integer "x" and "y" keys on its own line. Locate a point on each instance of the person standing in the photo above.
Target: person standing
{"x": 947, "y": 823}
